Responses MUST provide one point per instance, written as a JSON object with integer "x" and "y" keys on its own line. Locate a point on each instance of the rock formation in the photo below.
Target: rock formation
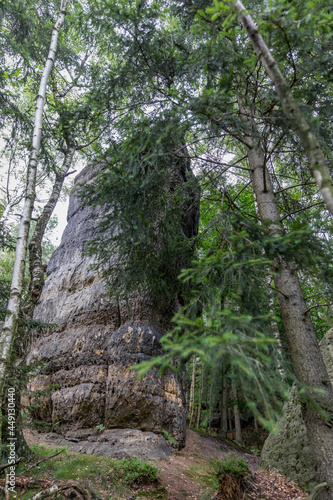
{"x": 288, "y": 450}
{"x": 87, "y": 357}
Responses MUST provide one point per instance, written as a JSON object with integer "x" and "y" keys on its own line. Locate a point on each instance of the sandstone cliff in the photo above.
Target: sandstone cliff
{"x": 89, "y": 354}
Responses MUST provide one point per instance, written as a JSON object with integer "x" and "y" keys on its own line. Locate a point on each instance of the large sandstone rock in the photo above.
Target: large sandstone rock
{"x": 113, "y": 443}
{"x": 89, "y": 354}
{"x": 288, "y": 451}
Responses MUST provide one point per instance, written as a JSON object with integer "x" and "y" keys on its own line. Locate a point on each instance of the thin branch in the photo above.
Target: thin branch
{"x": 3, "y": 467}
{"x": 317, "y": 305}
{"x": 43, "y": 460}
{"x": 240, "y": 192}
{"x": 306, "y": 183}
{"x": 302, "y": 209}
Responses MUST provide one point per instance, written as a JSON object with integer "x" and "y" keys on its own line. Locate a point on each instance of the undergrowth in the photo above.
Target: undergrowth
{"x": 231, "y": 464}
{"x": 102, "y": 474}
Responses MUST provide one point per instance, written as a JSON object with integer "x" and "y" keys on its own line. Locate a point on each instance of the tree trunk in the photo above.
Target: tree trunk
{"x": 192, "y": 391}
{"x": 230, "y": 421}
{"x": 303, "y": 345}
{"x": 224, "y": 406}
{"x": 21, "y": 447}
{"x": 10, "y": 323}
{"x": 36, "y": 267}
{"x": 318, "y": 164}
{"x": 275, "y": 328}
{"x": 200, "y": 397}
{"x": 238, "y": 427}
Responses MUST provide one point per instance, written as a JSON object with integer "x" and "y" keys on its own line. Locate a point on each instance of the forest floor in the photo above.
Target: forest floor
{"x": 187, "y": 474}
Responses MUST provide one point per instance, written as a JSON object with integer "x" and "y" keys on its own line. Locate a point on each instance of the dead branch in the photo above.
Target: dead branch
{"x": 3, "y": 467}
{"x": 43, "y": 460}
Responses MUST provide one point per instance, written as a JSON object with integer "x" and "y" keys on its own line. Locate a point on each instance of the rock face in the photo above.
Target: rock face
{"x": 113, "y": 443}
{"x": 89, "y": 354}
{"x": 288, "y": 451}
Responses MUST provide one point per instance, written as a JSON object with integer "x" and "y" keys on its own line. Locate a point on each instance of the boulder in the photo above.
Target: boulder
{"x": 113, "y": 443}
{"x": 288, "y": 450}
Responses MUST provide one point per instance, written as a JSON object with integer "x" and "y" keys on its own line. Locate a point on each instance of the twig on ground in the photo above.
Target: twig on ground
{"x": 46, "y": 493}
{"x": 43, "y": 460}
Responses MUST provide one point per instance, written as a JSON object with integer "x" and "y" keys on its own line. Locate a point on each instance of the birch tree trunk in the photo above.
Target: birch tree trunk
{"x": 35, "y": 288}
{"x": 304, "y": 348}
{"x": 10, "y": 323}
{"x": 318, "y": 164}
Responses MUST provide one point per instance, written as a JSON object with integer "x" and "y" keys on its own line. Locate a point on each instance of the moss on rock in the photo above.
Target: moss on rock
{"x": 288, "y": 450}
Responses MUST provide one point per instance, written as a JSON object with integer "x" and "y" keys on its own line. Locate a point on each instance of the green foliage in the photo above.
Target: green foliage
{"x": 169, "y": 438}
{"x": 133, "y": 471}
{"x": 231, "y": 464}
{"x": 227, "y": 320}
{"x": 100, "y": 427}
{"x": 144, "y": 189}
{"x": 113, "y": 476}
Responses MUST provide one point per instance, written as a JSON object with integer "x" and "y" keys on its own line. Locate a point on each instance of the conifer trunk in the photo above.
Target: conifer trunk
{"x": 318, "y": 164}
{"x": 200, "y": 398}
{"x": 303, "y": 345}
{"x": 224, "y": 406}
{"x": 10, "y": 323}
{"x": 238, "y": 427}
{"x": 192, "y": 392}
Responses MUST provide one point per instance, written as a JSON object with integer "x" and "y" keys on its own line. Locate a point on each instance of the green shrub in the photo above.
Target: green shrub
{"x": 133, "y": 471}
{"x": 169, "y": 438}
{"x": 230, "y": 464}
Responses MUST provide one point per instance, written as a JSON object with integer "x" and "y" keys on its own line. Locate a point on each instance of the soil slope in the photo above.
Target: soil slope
{"x": 187, "y": 475}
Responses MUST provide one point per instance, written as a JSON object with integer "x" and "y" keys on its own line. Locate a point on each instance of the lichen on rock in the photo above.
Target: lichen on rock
{"x": 288, "y": 450}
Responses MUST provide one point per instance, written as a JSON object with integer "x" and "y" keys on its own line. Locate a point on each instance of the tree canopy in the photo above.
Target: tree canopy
{"x": 172, "y": 102}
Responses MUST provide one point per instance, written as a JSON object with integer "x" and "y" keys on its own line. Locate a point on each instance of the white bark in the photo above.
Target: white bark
{"x": 46, "y": 493}
{"x": 10, "y": 323}
{"x": 319, "y": 167}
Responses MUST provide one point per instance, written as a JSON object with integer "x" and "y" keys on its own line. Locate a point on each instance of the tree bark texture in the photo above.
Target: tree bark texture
{"x": 192, "y": 391}
{"x": 224, "y": 406}
{"x": 35, "y": 246}
{"x": 10, "y": 323}
{"x": 238, "y": 427}
{"x": 303, "y": 345}
{"x": 312, "y": 148}
{"x": 200, "y": 398}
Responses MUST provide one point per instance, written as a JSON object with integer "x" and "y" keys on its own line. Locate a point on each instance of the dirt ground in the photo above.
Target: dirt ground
{"x": 186, "y": 475}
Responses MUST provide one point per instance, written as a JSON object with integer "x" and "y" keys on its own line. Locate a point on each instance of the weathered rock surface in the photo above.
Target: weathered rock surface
{"x": 89, "y": 354}
{"x": 288, "y": 451}
{"x": 113, "y": 443}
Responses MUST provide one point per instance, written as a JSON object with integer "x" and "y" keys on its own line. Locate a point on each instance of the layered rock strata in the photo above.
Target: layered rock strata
{"x": 87, "y": 357}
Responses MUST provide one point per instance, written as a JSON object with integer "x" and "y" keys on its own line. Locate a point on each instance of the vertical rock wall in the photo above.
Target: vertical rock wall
{"x": 89, "y": 354}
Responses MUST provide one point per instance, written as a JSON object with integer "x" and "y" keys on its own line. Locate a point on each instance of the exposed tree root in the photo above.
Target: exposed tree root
{"x": 72, "y": 489}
